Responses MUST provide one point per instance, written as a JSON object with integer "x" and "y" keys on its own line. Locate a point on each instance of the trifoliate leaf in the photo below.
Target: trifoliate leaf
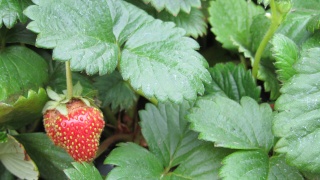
{"x": 245, "y": 165}
{"x": 204, "y": 163}
{"x": 193, "y": 22}
{"x": 286, "y": 53}
{"x": 143, "y": 165}
{"x": 50, "y": 159}
{"x": 21, "y": 70}
{"x": 24, "y": 111}
{"x": 114, "y": 91}
{"x": 232, "y": 81}
{"x": 232, "y": 19}
{"x": 82, "y": 171}
{"x": 17, "y": 34}
{"x": 232, "y": 125}
{"x": 297, "y": 123}
{"x": 279, "y": 169}
{"x": 174, "y": 7}
{"x": 167, "y": 134}
{"x": 14, "y": 157}
{"x": 11, "y": 11}
{"x": 174, "y": 150}
{"x": 155, "y": 57}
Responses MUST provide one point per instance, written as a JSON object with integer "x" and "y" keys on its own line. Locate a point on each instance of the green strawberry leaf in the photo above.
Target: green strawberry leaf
{"x": 153, "y": 56}
{"x": 286, "y": 53}
{"x": 193, "y": 22}
{"x": 143, "y": 165}
{"x": 17, "y": 34}
{"x": 114, "y": 91}
{"x": 11, "y": 11}
{"x": 174, "y": 7}
{"x": 174, "y": 150}
{"x": 21, "y": 70}
{"x": 247, "y": 126}
{"x": 232, "y": 81}
{"x": 204, "y": 163}
{"x": 82, "y": 171}
{"x": 297, "y": 123}
{"x": 245, "y": 165}
{"x": 232, "y": 20}
{"x": 50, "y": 159}
{"x": 24, "y": 111}
{"x": 279, "y": 169}
{"x": 267, "y": 74}
{"x": 257, "y": 165}
{"x": 314, "y": 23}
{"x": 14, "y": 157}
{"x": 167, "y": 134}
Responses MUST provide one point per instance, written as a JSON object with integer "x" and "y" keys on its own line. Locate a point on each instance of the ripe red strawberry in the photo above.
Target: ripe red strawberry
{"x": 77, "y": 130}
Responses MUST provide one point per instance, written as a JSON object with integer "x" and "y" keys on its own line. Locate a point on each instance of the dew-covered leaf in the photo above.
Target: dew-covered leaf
{"x": 286, "y": 53}
{"x": 245, "y": 165}
{"x": 21, "y": 70}
{"x": 14, "y": 157}
{"x": 155, "y": 57}
{"x": 232, "y": 125}
{"x": 232, "y": 20}
{"x": 297, "y": 123}
{"x": 167, "y": 134}
{"x": 50, "y": 159}
{"x": 11, "y": 11}
{"x": 174, "y": 7}
{"x": 82, "y": 171}
{"x": 193, "y": 22}
{"x": 114, "y": 91}
{"x": 232, "y": 81}
{"x": 24, "y": 111}
{"x": 133, "y": 162}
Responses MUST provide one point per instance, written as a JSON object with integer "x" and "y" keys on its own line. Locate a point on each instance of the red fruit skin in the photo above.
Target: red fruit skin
{"x": 79, "y": 132}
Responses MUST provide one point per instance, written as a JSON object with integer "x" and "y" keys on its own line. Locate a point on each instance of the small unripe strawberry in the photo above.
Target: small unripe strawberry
{"x": 75, "y": 126}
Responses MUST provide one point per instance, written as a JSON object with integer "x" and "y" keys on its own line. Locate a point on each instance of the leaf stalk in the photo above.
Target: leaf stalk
{"x": 69, "y": 80}
{"x": 277, "y": 16}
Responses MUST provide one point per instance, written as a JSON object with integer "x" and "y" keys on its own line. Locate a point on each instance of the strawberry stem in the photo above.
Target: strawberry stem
{"x": 276, "y": 19}
{"x": 69, "y": 80}
{"x": 111, "y": 140}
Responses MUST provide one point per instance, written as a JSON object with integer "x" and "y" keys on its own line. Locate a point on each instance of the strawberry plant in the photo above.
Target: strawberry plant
{"x": 150, "y": 89}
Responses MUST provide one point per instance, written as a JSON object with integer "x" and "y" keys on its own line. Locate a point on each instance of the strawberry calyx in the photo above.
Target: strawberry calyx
{"x": 59, "y": 101}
